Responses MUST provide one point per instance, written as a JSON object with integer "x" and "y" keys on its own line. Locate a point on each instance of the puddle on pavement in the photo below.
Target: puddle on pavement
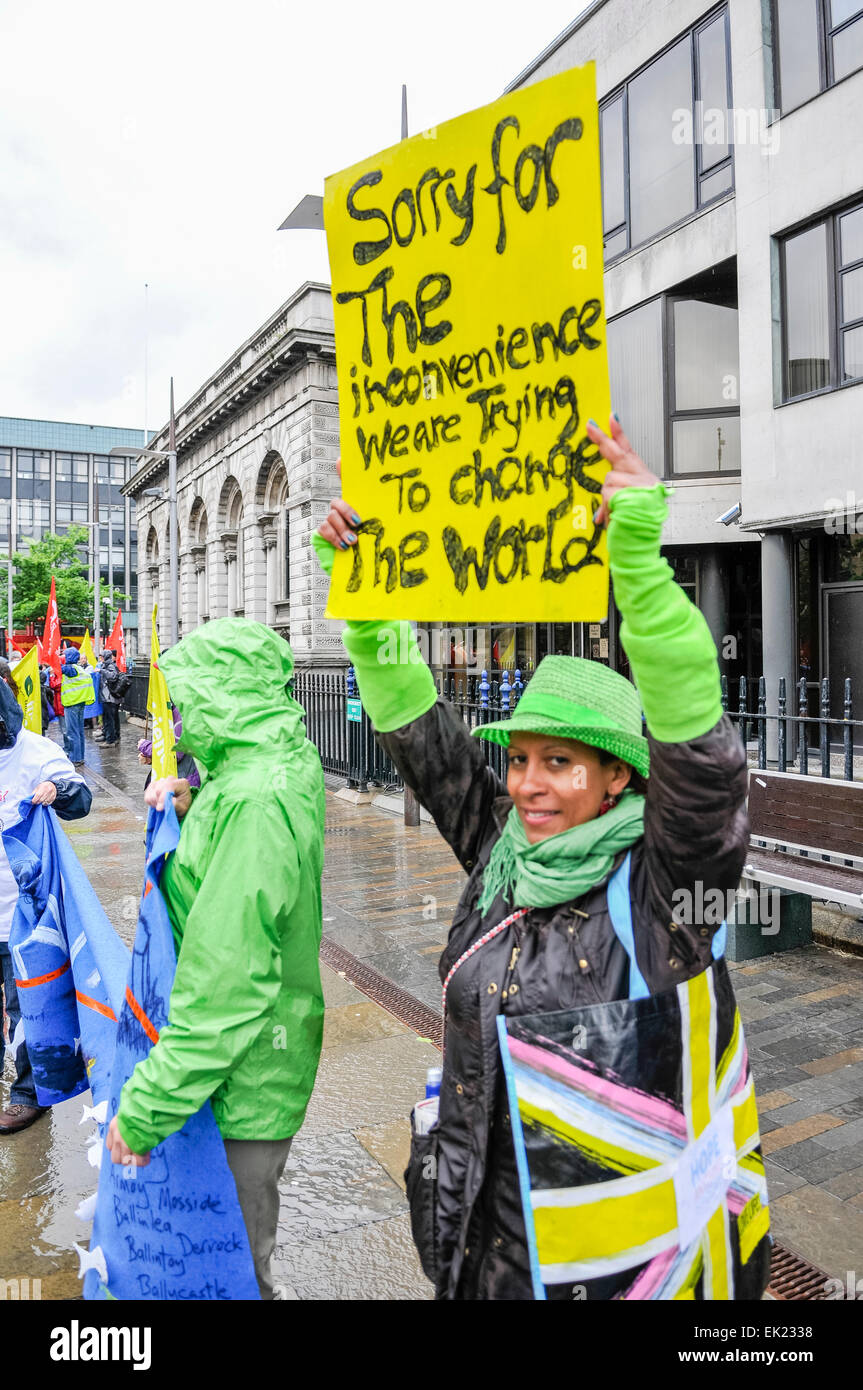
{"x": 44, "y": 1174}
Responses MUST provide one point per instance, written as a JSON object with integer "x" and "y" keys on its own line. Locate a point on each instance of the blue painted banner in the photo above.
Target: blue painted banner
{"x": 173, "y": 1229}
{"x": 70, "y": 965}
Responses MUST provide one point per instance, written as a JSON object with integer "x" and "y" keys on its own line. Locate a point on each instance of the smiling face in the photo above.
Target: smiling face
{"x": 559, "y": 783}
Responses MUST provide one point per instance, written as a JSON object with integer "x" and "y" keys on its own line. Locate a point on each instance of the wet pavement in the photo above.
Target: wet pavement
{"x": 389, "y": 892}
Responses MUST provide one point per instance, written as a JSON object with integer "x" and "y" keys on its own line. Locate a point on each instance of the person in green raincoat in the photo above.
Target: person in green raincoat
{"x": 243, "y": 891}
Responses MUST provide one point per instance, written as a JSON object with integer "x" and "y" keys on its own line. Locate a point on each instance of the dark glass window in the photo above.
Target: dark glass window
{"x": 666, "y": 139}
{"x": 613, "y": 169}
{"x": 674, "y": 368}
{"x": 705, "y": 409}
{"x": 822, "y": 298}
{"x": 635, "y": 366}
{"x": 661, "y": 189}
{"x": 818, "y": 43}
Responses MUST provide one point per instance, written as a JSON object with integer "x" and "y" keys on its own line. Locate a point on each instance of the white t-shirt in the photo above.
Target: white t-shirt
{"x": 31, "y": 760}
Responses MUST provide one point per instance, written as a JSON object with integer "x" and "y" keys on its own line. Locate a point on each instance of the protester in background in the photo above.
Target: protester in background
{"x": 6, "y": 676}
{"x": 112, "y": 688}
{"x": 186, "y": 767}
{"x": 31, "y": 768}
{"x": 536, "y": 930}
{"x": 47, "y": 699}
{"x": 55, "y": 680}
{"x": 243, "y": 891}
{"x": 76, "y": 691}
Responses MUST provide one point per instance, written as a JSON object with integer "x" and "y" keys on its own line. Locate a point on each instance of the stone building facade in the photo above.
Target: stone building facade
{"x": 257, "y": 446}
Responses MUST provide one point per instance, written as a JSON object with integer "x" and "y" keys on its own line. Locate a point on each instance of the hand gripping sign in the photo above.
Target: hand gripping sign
{"x": 467, "y": 277}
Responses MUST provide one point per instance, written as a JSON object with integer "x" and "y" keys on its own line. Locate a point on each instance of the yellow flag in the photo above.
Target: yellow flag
{"x": 86, "y": 649}
{"x": 159, "y": 707}
{"x": 26, "y": 675}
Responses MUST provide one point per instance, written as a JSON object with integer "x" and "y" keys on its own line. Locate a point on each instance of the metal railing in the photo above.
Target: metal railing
{"x": 348, "y": 748}
{"x": 836, "y": 742}
{"x": 135, "y": 699}
{"x": 811, "y": 744}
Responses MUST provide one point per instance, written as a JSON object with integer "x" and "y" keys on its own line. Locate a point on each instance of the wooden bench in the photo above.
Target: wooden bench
{"x": 806, "y": 840}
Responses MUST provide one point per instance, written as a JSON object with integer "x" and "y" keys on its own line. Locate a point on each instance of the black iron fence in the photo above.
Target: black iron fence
{"x": 341, "y": 730}
{"x": 793, "y": 739}
{"x": 135, "y": 699}
{"x": 800, "y": 736}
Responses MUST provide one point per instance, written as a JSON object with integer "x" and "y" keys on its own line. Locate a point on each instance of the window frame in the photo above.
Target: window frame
{"x": 667, "y": 300}
{"x": 826, "y": 34}
{"x": 835, "y": 324}
{"x": 699, "y": 174}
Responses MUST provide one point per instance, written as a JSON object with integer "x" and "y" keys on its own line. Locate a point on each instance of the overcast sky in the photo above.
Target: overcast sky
{"x": 165, "y": 142}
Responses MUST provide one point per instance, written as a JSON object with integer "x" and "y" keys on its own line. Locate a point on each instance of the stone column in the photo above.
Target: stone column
{"x": 777, "y": 625}
{"x": 712, "y": 597}
{"x": 229, "y": 554}
{"x": 155, "y": 598}
{"x": 199, "y": 591}
{"x": 267, "y": 528}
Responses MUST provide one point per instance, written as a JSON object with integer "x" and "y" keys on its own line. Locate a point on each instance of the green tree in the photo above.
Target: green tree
{"x": 31, "y": 580}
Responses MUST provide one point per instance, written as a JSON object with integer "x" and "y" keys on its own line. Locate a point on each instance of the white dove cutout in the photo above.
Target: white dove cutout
{"x": 91, "y": 1259}
{"x": 17, "y": 1037}
{"x": 94, "y": 1151}
{"x": 43, "y": 931}
{"x": 86, "y": 1208}
{"x": 99, "y": 1113}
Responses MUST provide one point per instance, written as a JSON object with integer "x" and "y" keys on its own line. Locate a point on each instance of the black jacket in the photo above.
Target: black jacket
{"x": 471, "y": 1236}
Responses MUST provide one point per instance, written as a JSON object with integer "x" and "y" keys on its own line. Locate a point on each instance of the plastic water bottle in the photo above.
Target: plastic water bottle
{"x": 434, "y": 1076}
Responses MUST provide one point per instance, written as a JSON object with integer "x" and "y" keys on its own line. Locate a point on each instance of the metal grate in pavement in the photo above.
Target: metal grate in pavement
{"x": 795, "y": 1279}
{"x": 791, "y": 1278}
{"x": 403, "y": 1006}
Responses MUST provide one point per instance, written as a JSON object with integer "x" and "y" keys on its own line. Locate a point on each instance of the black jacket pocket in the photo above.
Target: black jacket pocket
{"x": 421, "y": 1176}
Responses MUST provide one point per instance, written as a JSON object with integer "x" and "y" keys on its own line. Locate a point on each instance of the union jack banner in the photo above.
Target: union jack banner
{"x": 636, "y": 1136}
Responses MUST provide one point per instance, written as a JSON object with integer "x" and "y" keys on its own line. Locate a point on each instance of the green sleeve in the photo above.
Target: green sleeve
{"x": 665, "y": 637}
{"x": 228, "y": 978}
{"x": 395, "y": 684}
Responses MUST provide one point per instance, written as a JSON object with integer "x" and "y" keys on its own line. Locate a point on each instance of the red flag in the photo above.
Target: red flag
{"x": 118, "y": 641}
{"x": 52, "y": 631}
{"x": 39, "y": 652}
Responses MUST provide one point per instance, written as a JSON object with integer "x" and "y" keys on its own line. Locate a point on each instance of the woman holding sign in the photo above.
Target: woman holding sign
{"x": 608, "y": 1148}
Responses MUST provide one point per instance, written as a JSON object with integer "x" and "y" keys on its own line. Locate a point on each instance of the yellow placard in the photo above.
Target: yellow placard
{"x": 164, "y": 755}
{"x": 467, "y": 282}
{"x": 27, "y": 687}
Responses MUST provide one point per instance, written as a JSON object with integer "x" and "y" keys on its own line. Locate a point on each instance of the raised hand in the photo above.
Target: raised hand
{"x": 627, "y": 468}
{"x": 341, "y": 519}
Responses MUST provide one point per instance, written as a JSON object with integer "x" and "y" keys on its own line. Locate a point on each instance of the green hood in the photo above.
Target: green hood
{"x": 229, "y": 679}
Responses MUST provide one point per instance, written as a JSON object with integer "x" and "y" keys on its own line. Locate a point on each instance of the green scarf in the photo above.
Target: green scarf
{"x": 562, "y": 866}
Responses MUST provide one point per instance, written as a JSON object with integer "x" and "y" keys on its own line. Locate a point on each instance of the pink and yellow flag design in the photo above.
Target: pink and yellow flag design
{"x": 637, "y": 1136}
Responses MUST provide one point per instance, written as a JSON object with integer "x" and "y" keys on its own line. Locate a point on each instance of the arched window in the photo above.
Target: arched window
{"x": 232, "y": 538}
{"x": 198, "y": 545}
{"x": 274, "y": 520}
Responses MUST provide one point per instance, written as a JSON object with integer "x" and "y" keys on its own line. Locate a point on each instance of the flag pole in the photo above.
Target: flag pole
{"x": 172, "y": 523}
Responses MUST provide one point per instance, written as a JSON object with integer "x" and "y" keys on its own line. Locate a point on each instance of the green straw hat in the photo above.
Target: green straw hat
{"x": 568, "y": 697}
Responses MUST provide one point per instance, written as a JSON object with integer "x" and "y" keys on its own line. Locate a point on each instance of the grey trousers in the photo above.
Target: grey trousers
{"x": 257, "y": 1165}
